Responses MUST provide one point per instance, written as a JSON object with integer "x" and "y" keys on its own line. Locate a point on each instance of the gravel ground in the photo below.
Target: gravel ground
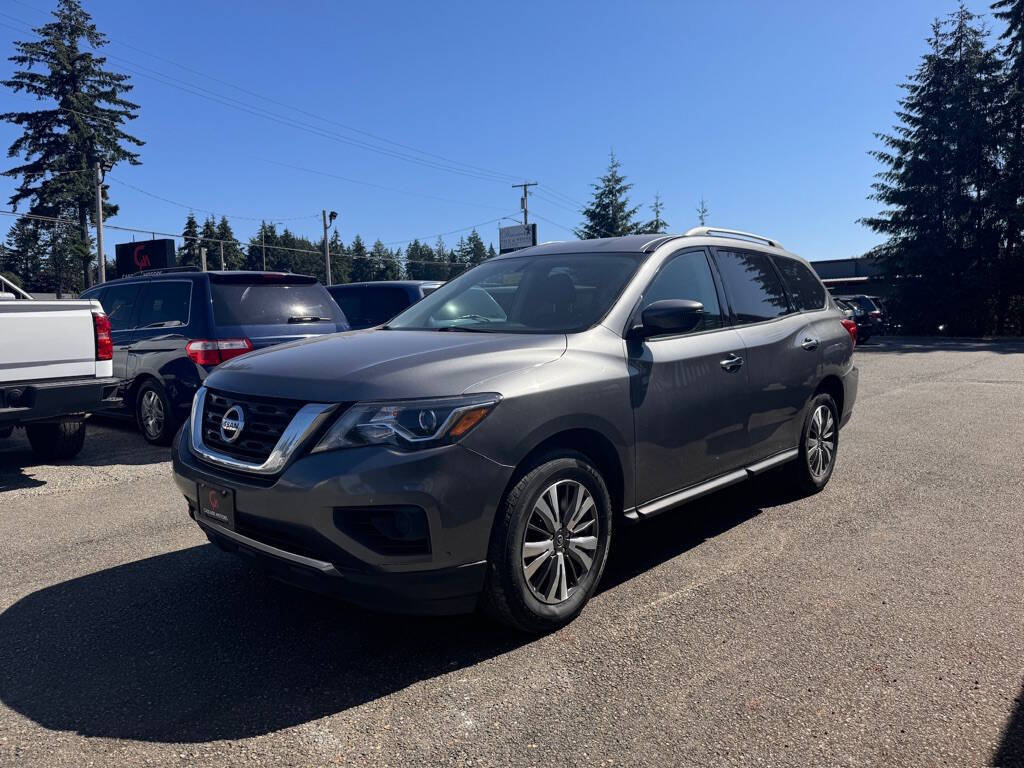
{"x": 878, "y": 623}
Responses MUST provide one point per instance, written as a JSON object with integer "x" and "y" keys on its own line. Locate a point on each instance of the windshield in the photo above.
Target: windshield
{"x": 560, "y": 293}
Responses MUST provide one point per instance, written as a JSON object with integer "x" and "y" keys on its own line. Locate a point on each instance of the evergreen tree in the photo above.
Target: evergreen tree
{"x": 362, "y": 266}
{"x": 702, "y": 211}
{"x": 477, "y": 250}
{"x": 261, "y": 246}
{"x": 233, "y": 256}
{"x": 939, "y": 169}
{"x": 383, "y": 264}
{"x": 207, "y": 240}
{"x": 458, "y": 258}
{"x": 24, "y": 254}
{"x": 609, "y": 213}
{"x": 341, "y": 262}
{"x": 657, "y": 225}
{"x": 60, "y": 144}
{"x": 1010, "y": 191}
{"x": 491, "y": 253}
{"x": 188, "y": 254}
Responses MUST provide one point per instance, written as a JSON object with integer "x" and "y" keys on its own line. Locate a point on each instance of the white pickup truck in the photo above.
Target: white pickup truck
{"x": 56, "y": 368}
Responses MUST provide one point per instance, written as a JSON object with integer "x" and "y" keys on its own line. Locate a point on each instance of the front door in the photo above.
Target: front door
{"x": 689, "y": 390}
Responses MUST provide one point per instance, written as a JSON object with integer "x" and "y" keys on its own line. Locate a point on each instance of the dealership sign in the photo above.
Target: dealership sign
{"x": 146, "y": 254}
{"x": 514, "y": 238}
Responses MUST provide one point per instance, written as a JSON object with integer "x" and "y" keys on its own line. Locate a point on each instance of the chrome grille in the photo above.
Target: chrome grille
{"x": 265, "y": 421}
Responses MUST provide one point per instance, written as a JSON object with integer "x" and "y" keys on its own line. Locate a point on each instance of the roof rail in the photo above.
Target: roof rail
{"x": 734, "y": 233}
{"x": 164, "y": 270}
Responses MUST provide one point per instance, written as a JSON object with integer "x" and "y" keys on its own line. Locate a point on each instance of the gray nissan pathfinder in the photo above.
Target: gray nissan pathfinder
{"x": 483, "y": 447}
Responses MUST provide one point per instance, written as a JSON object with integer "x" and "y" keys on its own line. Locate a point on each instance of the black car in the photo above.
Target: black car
{"x": 859, "y": 316}
{"x": 170, "y": 328}
{"x": 370, "y": 304}
{"x": 873, "y": 314}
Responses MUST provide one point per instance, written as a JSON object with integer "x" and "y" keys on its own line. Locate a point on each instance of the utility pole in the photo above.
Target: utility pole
{"x": 99, "y": 222}
{"x": 523, "y": 201}
{"x": 327, "y": 248}
{"x": 221, "y": 255}
{"x": 202, "y": 258}
{"x": 263, "y": 246}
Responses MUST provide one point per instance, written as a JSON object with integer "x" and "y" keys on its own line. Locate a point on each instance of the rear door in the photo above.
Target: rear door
{"x": 782, "y": 350}
{"x": 689, "y": 400}
{"x": 271, "y": 309}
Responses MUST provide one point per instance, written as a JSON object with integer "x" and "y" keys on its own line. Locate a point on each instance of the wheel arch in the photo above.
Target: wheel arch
{"x": 832, "y": 385}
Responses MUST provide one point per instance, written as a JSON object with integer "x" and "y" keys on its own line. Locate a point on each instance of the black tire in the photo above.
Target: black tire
{"x": 57, "y": 440}
{"x": 153, "y": 414}
{"x": 508, "y": 596}
{"x": 802, "y": 470}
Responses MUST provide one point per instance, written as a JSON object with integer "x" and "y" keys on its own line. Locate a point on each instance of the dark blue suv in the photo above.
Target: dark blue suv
{"x": 172, "y": 327}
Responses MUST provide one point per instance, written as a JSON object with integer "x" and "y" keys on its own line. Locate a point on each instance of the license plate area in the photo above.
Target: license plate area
{"x": 217, "y": 505}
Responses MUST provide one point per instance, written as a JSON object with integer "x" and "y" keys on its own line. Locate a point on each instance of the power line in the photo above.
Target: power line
{"x": 204, "y": 210}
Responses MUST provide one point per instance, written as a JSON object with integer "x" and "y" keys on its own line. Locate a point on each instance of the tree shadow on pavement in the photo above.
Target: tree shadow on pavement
{"x": 1010, "y": 753}
{"x": 903, "y": 345}
{"x": 193, "y": 646}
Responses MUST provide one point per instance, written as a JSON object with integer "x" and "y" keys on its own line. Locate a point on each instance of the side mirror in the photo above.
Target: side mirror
{"x": 671, "y": 316}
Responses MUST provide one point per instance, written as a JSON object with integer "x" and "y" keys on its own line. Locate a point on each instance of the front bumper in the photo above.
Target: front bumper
{"x": 294, "y": 524}
{"x": 46, "y": 400}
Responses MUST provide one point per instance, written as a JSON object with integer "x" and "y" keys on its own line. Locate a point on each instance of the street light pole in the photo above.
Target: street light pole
{"x": 99, "y": 222}
{"x": 327, "y": 248}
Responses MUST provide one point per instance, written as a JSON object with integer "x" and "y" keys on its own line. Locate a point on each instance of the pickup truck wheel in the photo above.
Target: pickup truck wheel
{"x": 549, "y": 545}
{"x": 154, "y": 415}
{"x": 819, "y": 445}
{"x": 58, "y": 440}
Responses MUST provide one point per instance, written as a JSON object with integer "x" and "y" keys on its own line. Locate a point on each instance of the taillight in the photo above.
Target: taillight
{"x": 101, "y": 332}
{"x": 216, "y": 351}
{"x": 851, "y": 328}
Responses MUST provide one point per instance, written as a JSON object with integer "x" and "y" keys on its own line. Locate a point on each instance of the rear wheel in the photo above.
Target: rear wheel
{"x": 153, "y": 414}
{"x": 819, "y": 445}
{"x": 550, "y": 545}
{"x": 57, "y": 440}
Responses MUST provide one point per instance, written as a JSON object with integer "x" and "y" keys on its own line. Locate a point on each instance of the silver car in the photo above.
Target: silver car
{"x": 481, "y": 449}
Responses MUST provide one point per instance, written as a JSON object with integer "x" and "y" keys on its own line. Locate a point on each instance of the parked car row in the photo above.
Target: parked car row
{"x": 867, "y": 312}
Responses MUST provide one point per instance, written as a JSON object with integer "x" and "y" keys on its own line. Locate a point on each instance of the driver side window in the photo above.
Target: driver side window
{"x": 687, "y": 276}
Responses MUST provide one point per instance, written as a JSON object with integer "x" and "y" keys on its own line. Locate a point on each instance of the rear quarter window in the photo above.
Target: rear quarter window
{"x": 804, "y": 288}
{"x": 753, "y": 286}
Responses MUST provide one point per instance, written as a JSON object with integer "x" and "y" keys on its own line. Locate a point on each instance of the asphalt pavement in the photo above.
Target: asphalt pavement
{"x": 880, "y": 622}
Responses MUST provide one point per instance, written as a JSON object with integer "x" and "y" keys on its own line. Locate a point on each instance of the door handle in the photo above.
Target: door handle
{"x": 732, "y": 362}
{"x": 809, "y": 343}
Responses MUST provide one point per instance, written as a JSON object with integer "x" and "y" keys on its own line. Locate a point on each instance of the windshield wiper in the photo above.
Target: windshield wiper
{"x": 165, "y": 324}
{"x": 468, "y": 328}
{"x": 307, "y": 319}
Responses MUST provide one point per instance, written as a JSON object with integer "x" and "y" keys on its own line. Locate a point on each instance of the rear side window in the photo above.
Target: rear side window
{"x": 753, "y": 286}
{"x": 119, "y": 304}
{"x": 367, "y": 306}
{"x": 805, "y": 289}
{"x": 165, "y": 304}
{"x": 271, "y": 303}
{"x": 687, "y": 276}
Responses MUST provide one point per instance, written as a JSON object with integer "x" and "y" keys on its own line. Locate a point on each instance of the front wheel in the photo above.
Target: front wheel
{"x": 549, "y": 545}
{"x": 56, "y": 440}
{"x": 819, "y": 445}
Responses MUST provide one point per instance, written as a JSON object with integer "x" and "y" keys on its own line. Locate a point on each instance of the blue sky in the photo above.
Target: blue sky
{"x": 765, "y": 109}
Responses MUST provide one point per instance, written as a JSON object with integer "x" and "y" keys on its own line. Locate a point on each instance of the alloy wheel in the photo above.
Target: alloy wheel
{"x": 821, "y": 442}
{"x": 560, "y": 541}
{"x": 152, "y": 413}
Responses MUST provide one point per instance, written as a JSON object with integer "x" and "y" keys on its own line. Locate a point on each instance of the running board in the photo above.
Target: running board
{"x": 657, "y": 506}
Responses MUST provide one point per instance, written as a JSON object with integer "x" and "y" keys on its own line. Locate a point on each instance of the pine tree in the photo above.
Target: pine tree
{"x": 233, "y": 256}
{"x": 25, "y": 256}
{"x": 60, "y": 144}
{"x": 657, "y": 225}
{"x": 362, "y": 267}
{"x": 477, "y": 249}
{"x": 207, "y": 240}
{"x": 341, "y": 262}
{"x": 609, "y": 213}
{"x": 939, "y": 168}
{"x": 188, "y": 254}
{"x": 702, "y": 211}
{"x": 458, "y": 258}
{"x": 383, "y": 263}
{"x": 491, "y": 253}
{"x": 1010, "y": 192}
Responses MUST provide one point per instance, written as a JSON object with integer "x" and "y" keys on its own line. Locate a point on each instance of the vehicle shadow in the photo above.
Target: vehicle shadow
{"x": 917, "y": 345}
{"x": 193, "y": 646}
{"x": 1010, "y": 753}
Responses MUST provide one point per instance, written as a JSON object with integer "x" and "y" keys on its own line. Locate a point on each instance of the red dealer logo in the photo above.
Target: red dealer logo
{"x": 140, "y": 257}
{"x": 213, "y": 500}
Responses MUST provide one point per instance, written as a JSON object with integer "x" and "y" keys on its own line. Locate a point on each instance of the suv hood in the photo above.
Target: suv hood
{"x": 383, "y": 364}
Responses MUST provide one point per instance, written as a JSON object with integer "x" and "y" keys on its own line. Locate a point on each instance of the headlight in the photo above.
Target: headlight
{"x": 409, "y": 424}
